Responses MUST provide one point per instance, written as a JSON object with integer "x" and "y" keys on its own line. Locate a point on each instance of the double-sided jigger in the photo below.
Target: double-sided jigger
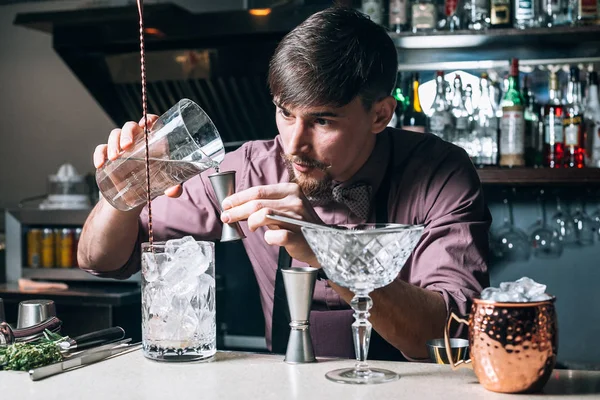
{"x": 224, "y": 185}
{"x": 299, "y": 287}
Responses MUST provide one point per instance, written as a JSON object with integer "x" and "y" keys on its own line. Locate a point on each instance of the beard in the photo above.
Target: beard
{"x": 311, "y": 187}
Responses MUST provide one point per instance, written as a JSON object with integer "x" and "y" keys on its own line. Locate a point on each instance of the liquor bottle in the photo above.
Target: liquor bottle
{"x": 477, "y": 14}
{"x": 512, "y": 126}
{"x": 451, "y": 21}
{"x": 573, "y": 125}
{"x": 554, "y": 148}
{"x": 485, "y": 125}
{"x": 414, "y": 117}
{"x": 552, "y": 13}
{"x": 469, "y": 100}
{"x": 423, "y": 16}
{"x": 440, "y": 119}
{"x": 374, "y": 9}
{"x": 398, "y": 15}
{"x": 460, "y": 114}
{"x": 592, "y": 121}
{"x": 402, "y": 102}
{"x": 526, "y": 14}
{"x": 533, "y": 140}
{"x": 501, "y": 14}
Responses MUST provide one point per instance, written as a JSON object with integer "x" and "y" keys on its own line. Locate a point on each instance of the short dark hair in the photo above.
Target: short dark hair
{"x": 332, "y": 57}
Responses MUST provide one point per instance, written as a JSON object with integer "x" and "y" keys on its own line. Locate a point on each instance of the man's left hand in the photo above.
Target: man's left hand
{"x": 254, "y": 204}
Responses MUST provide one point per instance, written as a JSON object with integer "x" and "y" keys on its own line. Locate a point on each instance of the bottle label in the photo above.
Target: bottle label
{"x": 450, "y": 7}
{"x": 398, "y": 12}
{"x": 572, "y": 126}
{"x": 588, "y": 9}
{"x": 500, "y": 12}
{"x": 374, "y": 9}
{"x": 424, "y": 16}
{"x": 524, "y": 9}
{"x": 512, "y": 131}
{"x": 553, "y": 128}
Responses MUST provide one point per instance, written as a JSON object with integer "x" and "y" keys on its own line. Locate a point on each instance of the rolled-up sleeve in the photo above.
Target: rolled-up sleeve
{"x": 451, "y": 257}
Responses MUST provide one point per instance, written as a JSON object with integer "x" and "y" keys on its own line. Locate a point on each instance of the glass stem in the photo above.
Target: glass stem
{"x": 361, "y": 328}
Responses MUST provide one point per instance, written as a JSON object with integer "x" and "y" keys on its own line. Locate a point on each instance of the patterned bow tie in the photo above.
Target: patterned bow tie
{"x": 356, "y": 197}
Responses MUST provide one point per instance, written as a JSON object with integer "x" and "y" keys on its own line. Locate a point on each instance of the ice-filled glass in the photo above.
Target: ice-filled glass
{"x": 178, "y": 300}
{"x": 182, "y": 143}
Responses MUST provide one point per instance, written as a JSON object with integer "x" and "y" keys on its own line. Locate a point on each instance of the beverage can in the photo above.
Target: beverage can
{"x": 34, "y": 248}
{"x": 47, "y": 248}
{"x": 65, "y": 254}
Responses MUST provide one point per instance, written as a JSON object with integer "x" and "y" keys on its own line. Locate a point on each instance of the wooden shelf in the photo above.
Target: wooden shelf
{"x": 539, "y": 176}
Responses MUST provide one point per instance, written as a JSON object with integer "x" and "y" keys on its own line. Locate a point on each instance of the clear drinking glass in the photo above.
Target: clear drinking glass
{"x": 182, "y": 143}
{"x": 584, "y": 226}
{"x": 512, "y": 244}
{"x": 178, "y": 300}
{"x": 563, "y": 223}
{"x": 363, "y": 258}
{"x": 545, "y": 241}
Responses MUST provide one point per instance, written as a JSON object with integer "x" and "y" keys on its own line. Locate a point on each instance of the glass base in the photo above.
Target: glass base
{"x": 362, "y": 376}
{"x": 178, "y": 355}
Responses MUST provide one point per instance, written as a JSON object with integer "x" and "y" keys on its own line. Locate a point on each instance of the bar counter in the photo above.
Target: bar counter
{"x": 235, "y": 375}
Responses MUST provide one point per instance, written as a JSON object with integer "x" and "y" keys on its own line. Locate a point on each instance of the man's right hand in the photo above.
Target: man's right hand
{"x": 123, "y": 139}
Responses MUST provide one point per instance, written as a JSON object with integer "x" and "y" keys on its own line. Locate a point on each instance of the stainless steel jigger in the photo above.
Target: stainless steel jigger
{"x": 299, "y": 287}
{"x": 224, "y": 185}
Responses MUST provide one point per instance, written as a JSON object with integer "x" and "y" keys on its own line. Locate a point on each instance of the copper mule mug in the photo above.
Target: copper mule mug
{"x": 513, "y": 346}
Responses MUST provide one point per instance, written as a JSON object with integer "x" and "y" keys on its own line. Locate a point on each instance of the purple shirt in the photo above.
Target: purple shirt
{"x": 432, "y": 183}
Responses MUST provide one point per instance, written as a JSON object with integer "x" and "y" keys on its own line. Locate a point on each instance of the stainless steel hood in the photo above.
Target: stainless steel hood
{"x": 218, "y": 59}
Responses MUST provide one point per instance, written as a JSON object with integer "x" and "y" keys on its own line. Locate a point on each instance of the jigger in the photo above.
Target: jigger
{"x": 299, "y": 287}
{"x": 224, "y": 185}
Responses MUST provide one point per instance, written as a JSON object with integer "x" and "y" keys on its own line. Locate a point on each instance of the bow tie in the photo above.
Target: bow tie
{"x": 356, "y": 197}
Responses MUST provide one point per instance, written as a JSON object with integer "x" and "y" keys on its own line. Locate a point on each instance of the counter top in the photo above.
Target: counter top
{"x": 235, "y": 375}
{"x": 79, "y": 293}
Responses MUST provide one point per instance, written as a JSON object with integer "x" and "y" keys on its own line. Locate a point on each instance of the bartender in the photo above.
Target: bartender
{"x": 334, "y": 161}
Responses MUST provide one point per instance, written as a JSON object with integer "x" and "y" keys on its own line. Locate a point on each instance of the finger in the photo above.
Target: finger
{"x": 276, "y": 191}
{"x": 151, "y": 120}
{"x": 100, "y": 155}
{"x": 113, "y": 144}
{"x": 174, "y": 191}
{"x": 260, "y": 218}
{"x": 279, "y": 237}
{"x": 244, "y": 211}
{"x": 128, "y": 134}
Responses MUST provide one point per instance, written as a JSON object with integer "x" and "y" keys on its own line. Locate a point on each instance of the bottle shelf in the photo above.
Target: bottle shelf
{"x": 444, "y": 50}
{"x": 539, "y": 176}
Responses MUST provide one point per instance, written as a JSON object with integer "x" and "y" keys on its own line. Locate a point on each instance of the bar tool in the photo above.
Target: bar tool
{"x": 438, "y": 354}
{"x": 32, "y": 312}
{"x": 10, "y": 336}
{"x": 2, "y": 316}
{"x": 95, "y": 338}
{"x": 299, "y": 287}
{"x": 224, "y": 185}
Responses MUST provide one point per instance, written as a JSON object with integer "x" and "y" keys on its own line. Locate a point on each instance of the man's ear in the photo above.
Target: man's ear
{"x": 383, "y": 110}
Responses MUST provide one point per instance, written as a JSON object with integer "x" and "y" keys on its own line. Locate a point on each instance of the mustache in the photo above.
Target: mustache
{"x": 306, "y": 161}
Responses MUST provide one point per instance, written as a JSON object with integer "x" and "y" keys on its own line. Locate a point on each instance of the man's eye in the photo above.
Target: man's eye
{"x": 284, "y": 113}
{"x": 322, "y": 122}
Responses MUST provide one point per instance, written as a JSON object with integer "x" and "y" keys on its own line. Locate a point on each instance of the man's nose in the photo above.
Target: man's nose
{"x": 300, "y": 138}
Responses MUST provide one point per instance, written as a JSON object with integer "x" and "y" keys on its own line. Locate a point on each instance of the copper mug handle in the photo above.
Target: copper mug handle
{"x": 460, "y": 363}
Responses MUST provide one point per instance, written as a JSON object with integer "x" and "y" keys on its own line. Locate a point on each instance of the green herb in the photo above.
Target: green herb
{"x": 25, "y": 356}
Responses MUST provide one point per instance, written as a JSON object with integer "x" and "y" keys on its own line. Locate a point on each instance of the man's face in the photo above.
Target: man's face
{"x": 325, "y": 143}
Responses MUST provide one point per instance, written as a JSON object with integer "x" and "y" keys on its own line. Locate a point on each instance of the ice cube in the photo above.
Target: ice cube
{"x": 489, "y": 293}
{"x": 540, "y": 297}
{"x": 531, "y": 287}
{"x": 207, "y": 327}
{"x": 153, "y": 264}
{"x": 173, "y": 245}
{"x": 160, "y": 301}
{"x": 180, "y": 280}
{"x": 187, "y": 249}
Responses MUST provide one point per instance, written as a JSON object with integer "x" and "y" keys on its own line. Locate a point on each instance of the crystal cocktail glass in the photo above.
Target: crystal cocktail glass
{"x": 363, "y": 258}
